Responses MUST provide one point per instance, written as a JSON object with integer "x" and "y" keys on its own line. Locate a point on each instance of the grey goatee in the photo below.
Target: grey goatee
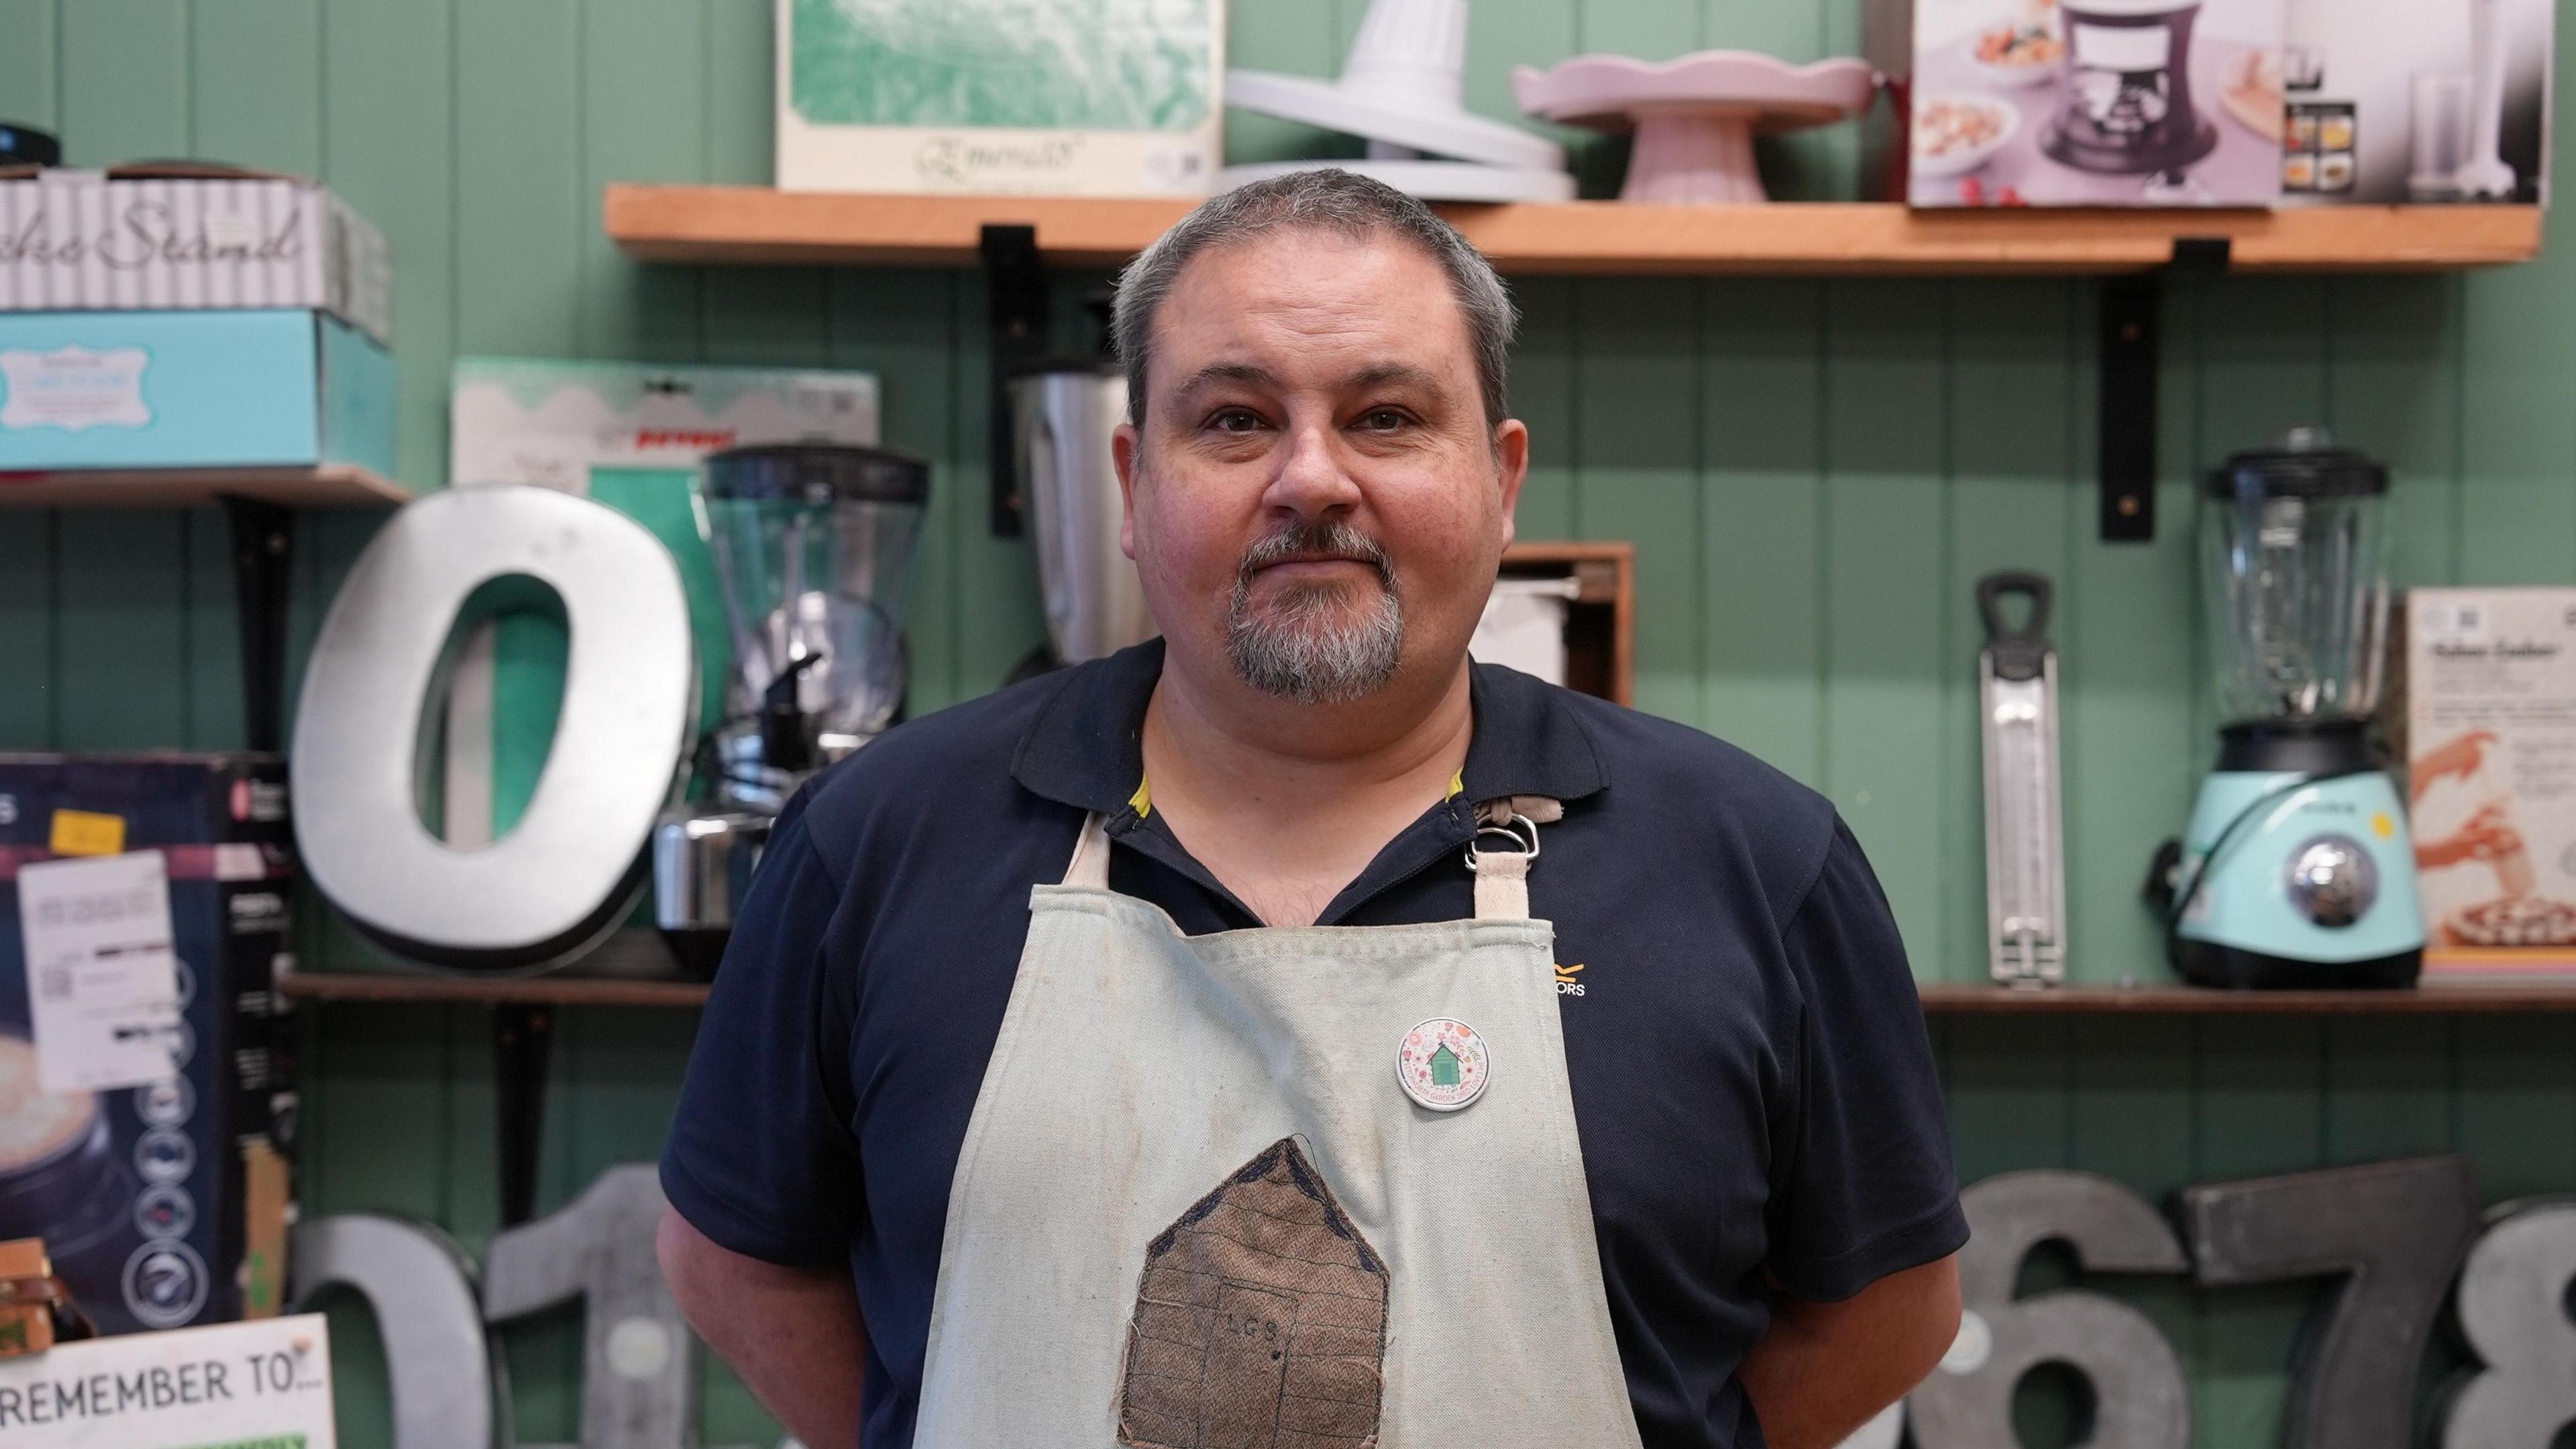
{"x": 1315, "y": 643}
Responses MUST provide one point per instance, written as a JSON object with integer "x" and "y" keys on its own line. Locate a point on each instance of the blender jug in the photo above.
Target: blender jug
{"x": 814, "y": 548}
{"x": 2296, "y": 869}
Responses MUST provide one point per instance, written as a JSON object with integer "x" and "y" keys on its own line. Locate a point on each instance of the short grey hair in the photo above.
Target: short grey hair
{"x": 1331, "y": 200}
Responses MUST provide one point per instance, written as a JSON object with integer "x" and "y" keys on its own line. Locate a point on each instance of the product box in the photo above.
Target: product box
{"x": 2125, "y": 103}
{"x": 2393, "y": 101}
{"x": 276, "y": 387}
{"x": 162, "y": 1204}
{"x": 1039, "y": 97}
{"x": 145, "y": 238}
{"x": 558, "y": 424}
{"x": 2489, "y": 699}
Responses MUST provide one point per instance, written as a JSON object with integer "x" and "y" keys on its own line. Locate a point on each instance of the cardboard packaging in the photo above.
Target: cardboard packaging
{"x": 161, "y": 1205}
{"x": 2488, "y": 696}
{"x": 112, "y": 241}
{"x": 2081, "y": 102}
{"x": 277, "y": 387}
{"x": 560, "y": 424}
{"x": 1036, "y": 97}
{"x": 2396, "y": 101}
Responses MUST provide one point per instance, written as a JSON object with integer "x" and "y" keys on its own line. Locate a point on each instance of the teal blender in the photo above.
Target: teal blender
{"x": 2296, "y": 870}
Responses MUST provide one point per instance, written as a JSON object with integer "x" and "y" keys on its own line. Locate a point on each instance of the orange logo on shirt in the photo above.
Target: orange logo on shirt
{"x": 1566, "y": 984}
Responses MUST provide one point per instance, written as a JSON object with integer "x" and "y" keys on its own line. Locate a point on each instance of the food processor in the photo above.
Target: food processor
{"x": 814, "y": 547}
{"x": 2296, "y": 869}
{"x": 2124, "y": 103}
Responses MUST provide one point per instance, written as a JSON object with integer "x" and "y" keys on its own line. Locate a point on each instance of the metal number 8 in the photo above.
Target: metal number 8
{"x": 2140, "y": 1399}
{"x": 2512, "y": 1306}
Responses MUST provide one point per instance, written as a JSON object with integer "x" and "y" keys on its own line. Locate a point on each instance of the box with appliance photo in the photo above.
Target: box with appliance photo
{"x": 2489, "y": 700}
{"x": 2393, "y": 101}
{"x": 188, "y": 238}
{"x": 161, "y": 1198}
{"x": 290, "y": 387}
{"x": 1039, "y": 97}
{"x": 2128, "y": 103}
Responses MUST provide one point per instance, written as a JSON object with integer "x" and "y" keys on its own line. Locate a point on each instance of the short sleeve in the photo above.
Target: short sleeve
{"x": 759, "y": 1159}
{"x": 1862, "y": 1185}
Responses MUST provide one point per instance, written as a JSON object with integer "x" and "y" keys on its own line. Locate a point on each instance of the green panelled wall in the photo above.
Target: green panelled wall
{"x": 1814, "y": 473}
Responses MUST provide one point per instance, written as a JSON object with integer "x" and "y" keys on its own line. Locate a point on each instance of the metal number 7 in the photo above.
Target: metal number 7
{"x": 2394, "y": 1232}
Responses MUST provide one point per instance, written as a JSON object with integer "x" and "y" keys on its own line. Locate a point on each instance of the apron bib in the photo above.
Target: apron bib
{"x": 1200, "y": 1205}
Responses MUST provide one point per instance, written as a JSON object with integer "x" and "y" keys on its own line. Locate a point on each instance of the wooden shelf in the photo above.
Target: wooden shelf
{"x": 2167, "y": 999}
{"x": 749, "y": 224}
{"x": 426, "y": 989}
{"x": 326, "y": 486}
{"x": 1939, "y": 999}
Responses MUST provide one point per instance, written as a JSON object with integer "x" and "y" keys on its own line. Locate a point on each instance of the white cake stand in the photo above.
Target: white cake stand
{"x": 1695, "y": 117}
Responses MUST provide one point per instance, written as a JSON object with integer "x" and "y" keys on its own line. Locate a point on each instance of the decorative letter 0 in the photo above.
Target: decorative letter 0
{"x": 574, "y": 864}
{"x": 2138, "y": 1390}
{"x": 420, "y": 1284}
{"x": 2513, "y": 1297}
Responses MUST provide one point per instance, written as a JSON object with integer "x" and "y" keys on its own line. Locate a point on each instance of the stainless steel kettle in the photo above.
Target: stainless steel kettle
{"x": 1062, "y": 414}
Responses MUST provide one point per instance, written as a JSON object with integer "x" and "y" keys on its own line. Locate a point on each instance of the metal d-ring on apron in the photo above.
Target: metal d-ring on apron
{"x": 1196, "y": 1207}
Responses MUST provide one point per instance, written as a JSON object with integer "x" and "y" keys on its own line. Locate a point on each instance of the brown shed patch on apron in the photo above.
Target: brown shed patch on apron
{"x": 1261, "y": 1322}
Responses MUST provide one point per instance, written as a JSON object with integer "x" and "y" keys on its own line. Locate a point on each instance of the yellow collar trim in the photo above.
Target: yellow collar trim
{"x": 1457, "y": 786}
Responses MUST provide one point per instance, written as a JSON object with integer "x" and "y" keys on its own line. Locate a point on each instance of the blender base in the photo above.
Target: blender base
{"x": 2208, "y": 963}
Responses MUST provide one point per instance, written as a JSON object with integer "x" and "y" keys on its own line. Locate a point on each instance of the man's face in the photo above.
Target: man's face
{"x": 1314, "y": 498}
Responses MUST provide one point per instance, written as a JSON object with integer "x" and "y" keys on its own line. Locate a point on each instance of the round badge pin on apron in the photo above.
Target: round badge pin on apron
{"x": 1443, "y": 1064}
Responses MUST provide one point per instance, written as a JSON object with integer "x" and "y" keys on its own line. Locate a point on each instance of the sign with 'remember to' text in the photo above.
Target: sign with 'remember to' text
{"x": 259, "y": 1385}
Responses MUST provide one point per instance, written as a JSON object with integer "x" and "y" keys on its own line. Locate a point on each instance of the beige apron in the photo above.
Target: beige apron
{"x": 1197, "y": 1207}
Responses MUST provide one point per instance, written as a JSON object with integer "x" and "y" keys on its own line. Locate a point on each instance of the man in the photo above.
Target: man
{"x": 1284, "y": 1032}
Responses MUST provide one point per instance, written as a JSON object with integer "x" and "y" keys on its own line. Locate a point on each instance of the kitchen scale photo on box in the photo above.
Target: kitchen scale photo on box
{"x": 2296, "y": 869}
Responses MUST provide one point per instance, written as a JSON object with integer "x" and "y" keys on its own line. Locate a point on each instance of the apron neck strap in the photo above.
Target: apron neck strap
{"x": 1502, "y": 876}
{"x": 1089, "y": 868}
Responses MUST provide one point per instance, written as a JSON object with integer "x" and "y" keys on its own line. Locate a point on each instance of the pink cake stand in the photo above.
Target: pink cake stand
{"x": 1696, "y": 116}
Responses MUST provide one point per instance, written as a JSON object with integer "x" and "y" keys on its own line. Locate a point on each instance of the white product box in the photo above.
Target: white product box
{"x": 524, "y": 420}
{"x": 2395, "y": 101}
{"x": 1040, "y": 97}
{"x": 99, "y": 241}
{"x": 2489, "y": 694}
{"x": 2129, "y": 103}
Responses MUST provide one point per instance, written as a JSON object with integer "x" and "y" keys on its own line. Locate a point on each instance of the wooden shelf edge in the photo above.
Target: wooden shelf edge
{"x": 760, "y": 225}
{"x": 331, "y": 485}
{"x": 370, "y": 986}
{"x": 1972, "y": 999}
{"x": 1939, "y": 998}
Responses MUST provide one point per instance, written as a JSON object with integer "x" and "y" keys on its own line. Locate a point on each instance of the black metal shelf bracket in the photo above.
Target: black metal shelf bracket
{"x": 521, "y": 1035}
{"x": 263, "y": 552}
{"x": 2130, "y": 357}
{"x": 1016, "y": 303}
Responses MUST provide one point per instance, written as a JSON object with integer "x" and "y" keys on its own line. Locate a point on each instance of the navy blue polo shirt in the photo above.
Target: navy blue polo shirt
{"x": 1752, "y": 1084}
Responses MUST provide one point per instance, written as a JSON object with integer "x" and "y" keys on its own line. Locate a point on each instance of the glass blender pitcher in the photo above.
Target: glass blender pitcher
{"x": 814, "y": 547}
{"x": 2296, "y": 870}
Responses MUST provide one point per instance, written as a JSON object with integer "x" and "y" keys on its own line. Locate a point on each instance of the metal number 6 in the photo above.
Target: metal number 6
{"x": 2140, "y": 1399}
{"x": 2512, "y": 1306}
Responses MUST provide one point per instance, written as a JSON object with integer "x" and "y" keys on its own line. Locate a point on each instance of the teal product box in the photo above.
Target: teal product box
{"x": 269, "y": 387}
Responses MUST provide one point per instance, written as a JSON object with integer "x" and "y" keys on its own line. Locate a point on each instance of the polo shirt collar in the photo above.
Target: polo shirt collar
{"x": 1086, "y": 748}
